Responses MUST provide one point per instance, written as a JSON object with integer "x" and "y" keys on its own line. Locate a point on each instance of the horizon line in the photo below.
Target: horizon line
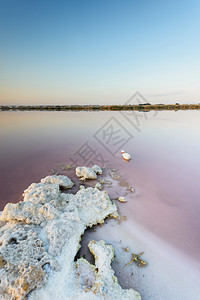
{"x": 135, "y": 107}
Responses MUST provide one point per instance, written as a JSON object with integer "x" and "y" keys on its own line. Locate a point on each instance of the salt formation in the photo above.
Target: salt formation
{"x": 98, "y": 185}
{"x": 122, "y": 199}
{"x": 61, "y": 180}
{"x": 125, "y": 155}
{"x": 40, "y": 237}
{"x": 88, "y": 173}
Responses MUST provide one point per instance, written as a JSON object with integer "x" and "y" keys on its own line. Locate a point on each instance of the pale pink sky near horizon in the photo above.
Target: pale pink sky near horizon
{"x": 108, "y": 97}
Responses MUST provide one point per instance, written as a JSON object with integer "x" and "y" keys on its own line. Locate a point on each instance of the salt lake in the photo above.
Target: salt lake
{"x": 161, "y": 216}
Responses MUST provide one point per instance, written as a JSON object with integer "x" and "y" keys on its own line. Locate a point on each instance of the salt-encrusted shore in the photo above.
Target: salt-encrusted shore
{"x": 40, "y": 237}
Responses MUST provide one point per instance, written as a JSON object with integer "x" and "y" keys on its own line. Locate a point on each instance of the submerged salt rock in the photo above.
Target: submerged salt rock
{"x": 88, "y": 173}
{"x": 61, "y": 180}
{"x": 132, "y": 189}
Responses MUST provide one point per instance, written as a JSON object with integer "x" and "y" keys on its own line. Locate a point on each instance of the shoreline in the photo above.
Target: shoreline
{"x": 140, "y": 107}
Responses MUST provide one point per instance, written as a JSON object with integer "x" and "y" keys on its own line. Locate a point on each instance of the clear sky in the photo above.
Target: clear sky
{"x": 93, "y": 52}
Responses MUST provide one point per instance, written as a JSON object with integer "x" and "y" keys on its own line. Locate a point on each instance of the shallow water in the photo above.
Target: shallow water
{"x": 162, "y": 214}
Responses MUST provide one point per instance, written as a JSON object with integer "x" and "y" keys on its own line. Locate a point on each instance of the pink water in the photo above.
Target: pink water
{"x": 164, "y": 210}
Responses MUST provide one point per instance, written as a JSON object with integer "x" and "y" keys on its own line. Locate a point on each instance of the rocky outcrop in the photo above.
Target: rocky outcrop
{"x": 39, "y": 240}
{"x": 88, "y": 173}
{"x": 61, "y": 180}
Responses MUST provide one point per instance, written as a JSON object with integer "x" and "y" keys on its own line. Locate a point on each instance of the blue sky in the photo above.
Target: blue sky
{"x": 93, "y": 52}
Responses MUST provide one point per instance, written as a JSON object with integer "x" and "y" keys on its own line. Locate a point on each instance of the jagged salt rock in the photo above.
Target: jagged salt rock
{"x": 97, "y": 169}
{"x": 98, "y": 281}
{"x": 88, "y": 173}
{"x": 41, "y": 192}
{"x": 61, "y": 180}
{"x": 29, "y": 212}
{"x": 39, "y": 240}
{"x": 22, "y": 258}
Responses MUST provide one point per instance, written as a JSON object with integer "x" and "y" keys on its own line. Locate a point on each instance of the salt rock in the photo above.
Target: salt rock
{"x": 88, "y": 173}
{"x": 125, "y": 155}
{"x": 41, "y": 192}
{"x": 29, "y": 212}
{"x": 39, "y": 240}
{"x": 21, "y": 261}
{"x": 98, "y": 185}
{"x": 61, "y": 180}
{"x": 97, "y": 169}
{"x": 122, "y": 199}
{"x": 64, "y": 200}
{"x": 98, "y": 280}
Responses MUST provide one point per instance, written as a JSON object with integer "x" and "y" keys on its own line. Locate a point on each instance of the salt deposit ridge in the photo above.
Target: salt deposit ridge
{"x": 40, "y": 237}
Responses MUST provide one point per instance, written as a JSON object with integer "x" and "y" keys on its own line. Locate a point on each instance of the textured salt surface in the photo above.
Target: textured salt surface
{"x": 88, "y": 173}
{"x": 40, "y": 237}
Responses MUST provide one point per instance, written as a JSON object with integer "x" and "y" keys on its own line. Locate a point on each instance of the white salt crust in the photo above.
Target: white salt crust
{"x": 40, "y": 237}
{"x": 88, "y": 173}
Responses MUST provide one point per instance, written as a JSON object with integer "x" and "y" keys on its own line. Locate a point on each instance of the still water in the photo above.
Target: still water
{"x": 162, "y": 215}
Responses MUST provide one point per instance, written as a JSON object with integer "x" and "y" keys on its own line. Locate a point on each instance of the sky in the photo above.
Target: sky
{"x": 99, "y": 52}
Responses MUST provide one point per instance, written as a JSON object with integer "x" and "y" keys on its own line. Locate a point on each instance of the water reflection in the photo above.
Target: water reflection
{"x": 164, "y": 169}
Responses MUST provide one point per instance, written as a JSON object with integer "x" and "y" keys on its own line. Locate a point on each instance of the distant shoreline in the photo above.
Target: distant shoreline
{"x": 138, "y": 107}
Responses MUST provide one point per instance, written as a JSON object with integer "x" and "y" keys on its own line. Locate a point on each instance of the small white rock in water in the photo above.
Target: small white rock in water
{"x": 122, "y": 199}
{"x": 88, "y": 173}
{"x": 125, "y": 155}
